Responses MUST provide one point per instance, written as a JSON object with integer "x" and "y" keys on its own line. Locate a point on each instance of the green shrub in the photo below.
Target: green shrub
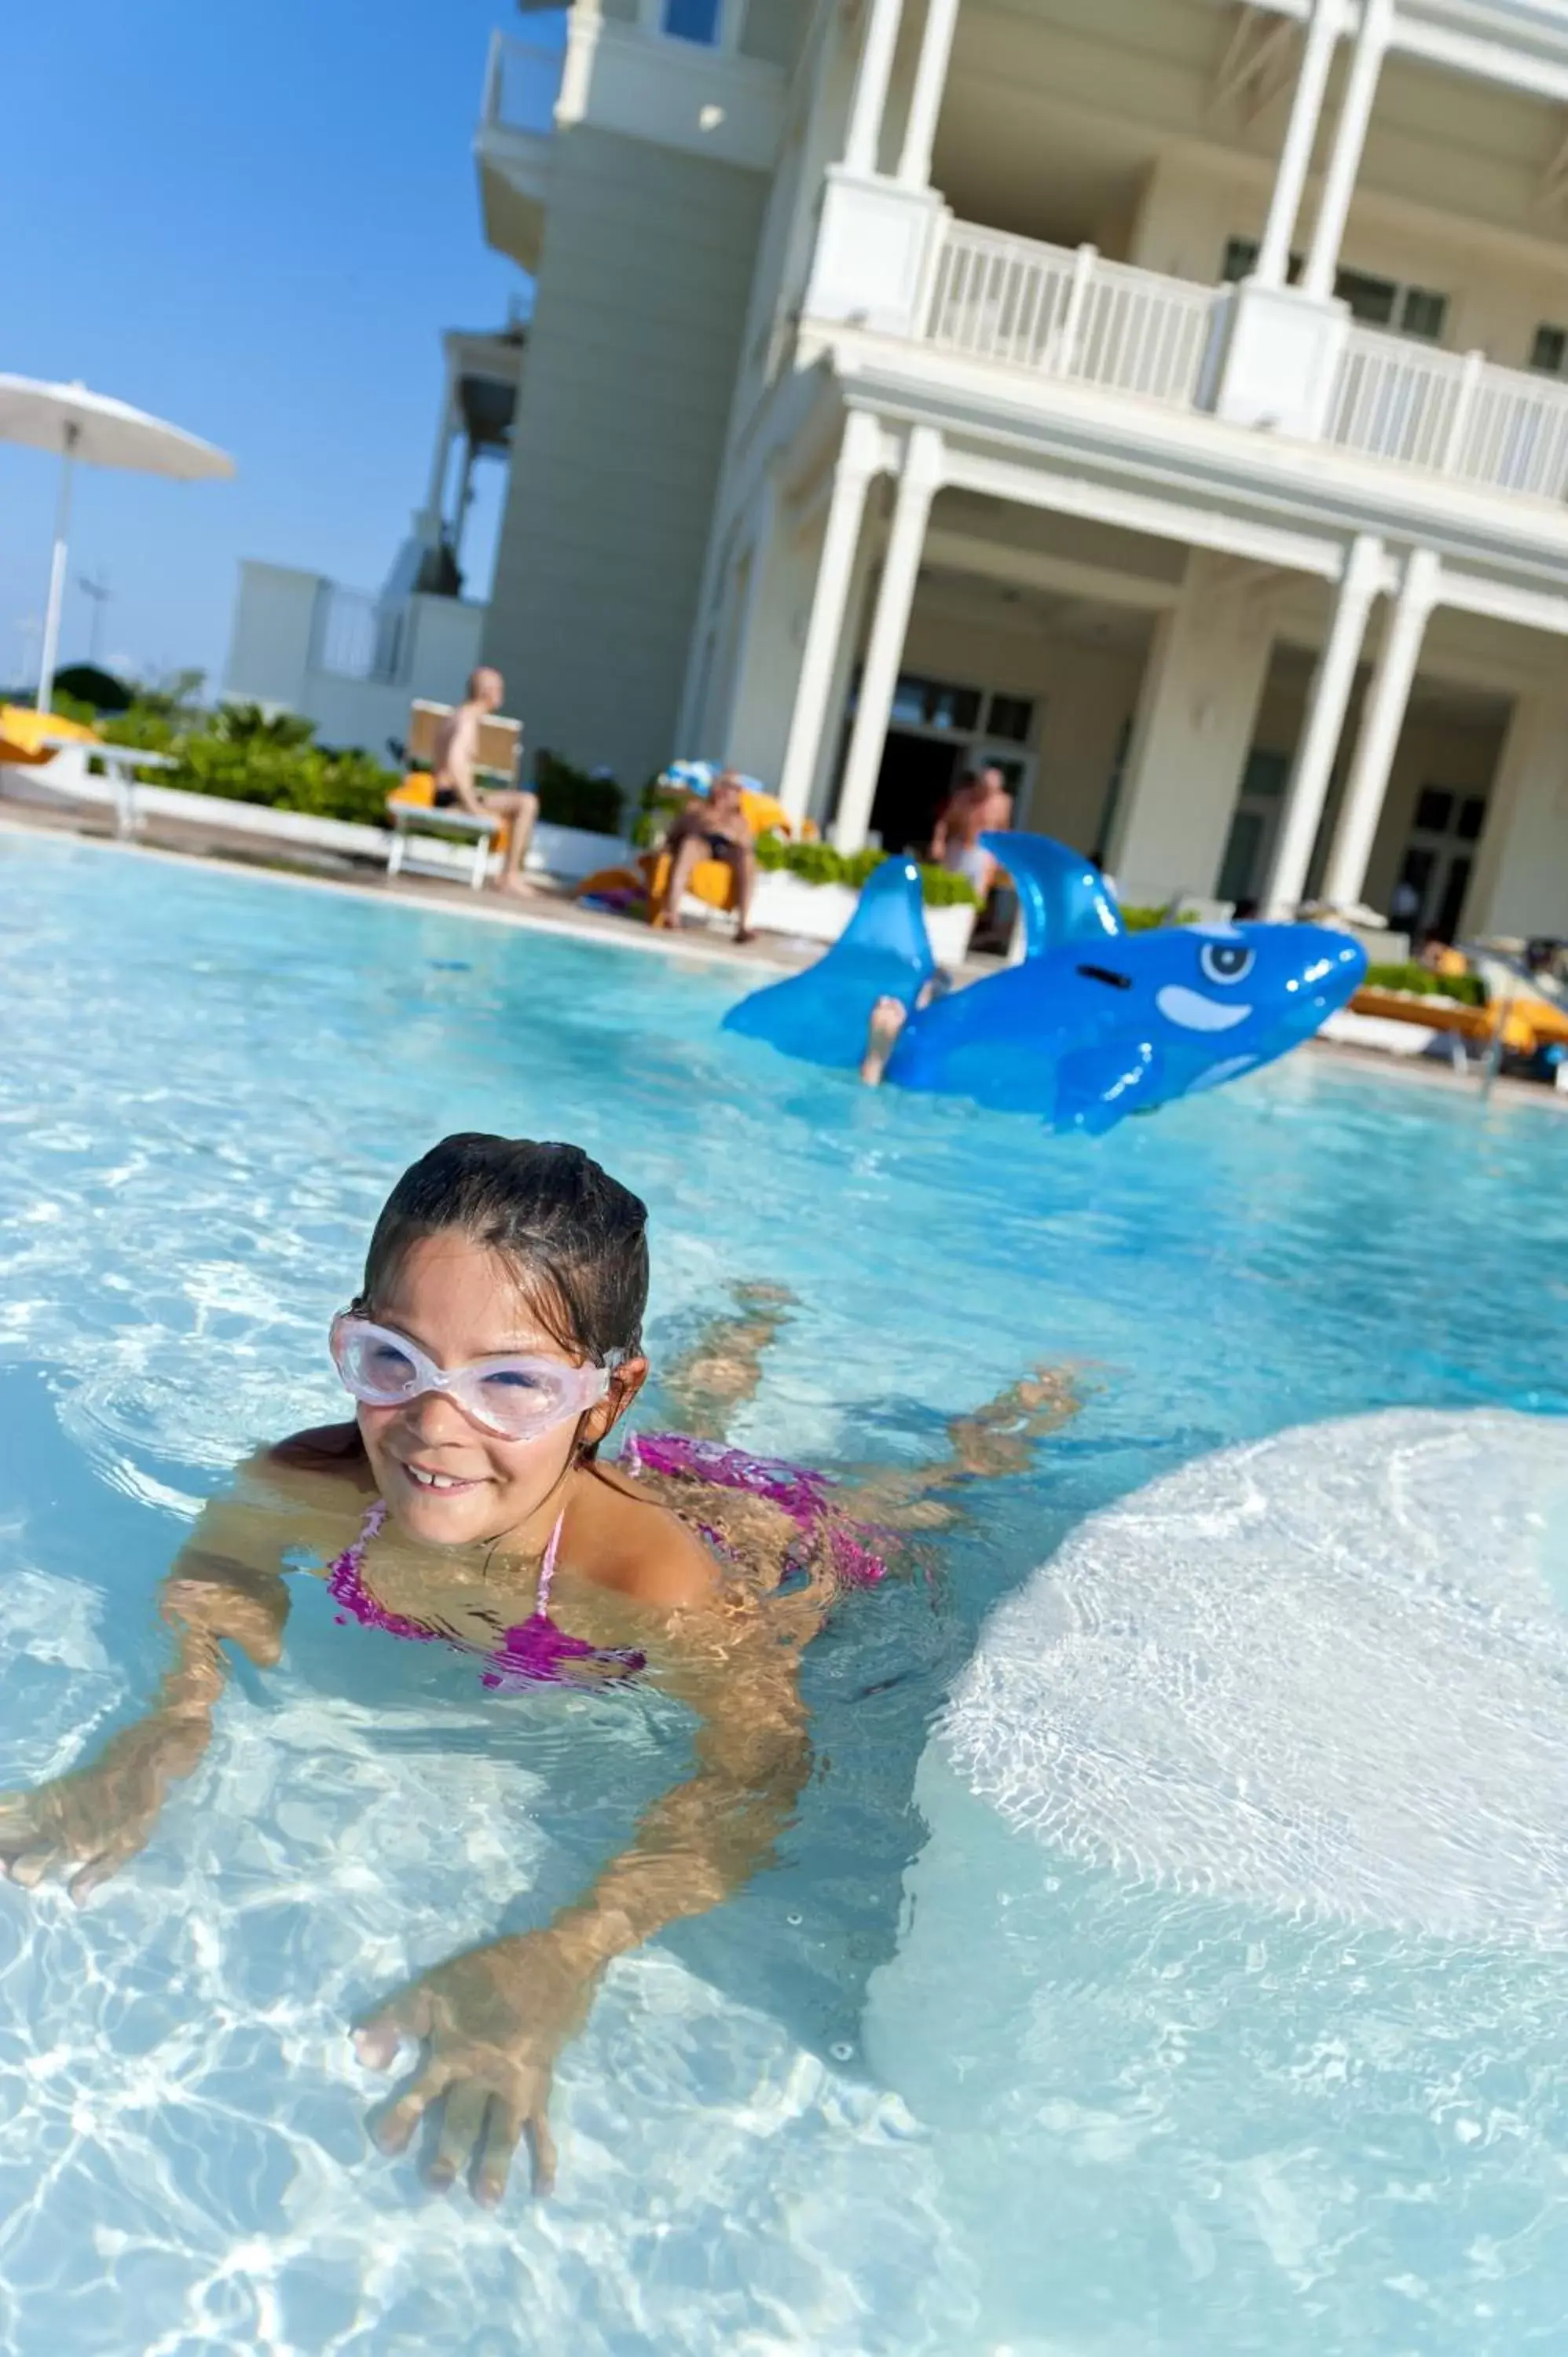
{"x": 148, "y": 726}
{"x": 820, "y": 862}
{"x": 573, "y": 797}
{"x": 247, "y": 724}
{"x": 285, "y": 777}
{"x": 1467, "y": 988}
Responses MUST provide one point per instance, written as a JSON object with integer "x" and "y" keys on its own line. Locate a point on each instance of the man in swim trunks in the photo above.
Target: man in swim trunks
{"x": 712, "y": 827}
{"x": 457, "y": 757}
{"x": 975, "y": 804}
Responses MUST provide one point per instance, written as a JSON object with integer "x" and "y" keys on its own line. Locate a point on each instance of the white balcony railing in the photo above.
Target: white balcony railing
{"x": 1069, "y": 313}
{"x": 523, "y": 82}
{"x": 1452, "y": 414}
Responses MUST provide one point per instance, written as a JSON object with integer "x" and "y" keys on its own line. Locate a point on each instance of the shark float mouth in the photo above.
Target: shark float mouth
{"x": 1191, "y": 1011}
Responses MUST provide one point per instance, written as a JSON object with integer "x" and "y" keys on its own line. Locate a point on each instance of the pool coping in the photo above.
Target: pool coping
{"x": 459, "y": 903}
{"x": 695, "y": 952}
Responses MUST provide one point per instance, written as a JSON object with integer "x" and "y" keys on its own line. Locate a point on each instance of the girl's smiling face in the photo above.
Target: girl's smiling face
{"x": 448, "y": 1481}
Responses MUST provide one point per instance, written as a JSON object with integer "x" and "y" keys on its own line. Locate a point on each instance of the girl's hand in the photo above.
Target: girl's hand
{"x": 493, "y": 2022}
{"x": 88, "y": 1824}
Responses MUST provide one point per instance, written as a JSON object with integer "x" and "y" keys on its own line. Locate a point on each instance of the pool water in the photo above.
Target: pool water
{"x": 931, "y": 2083}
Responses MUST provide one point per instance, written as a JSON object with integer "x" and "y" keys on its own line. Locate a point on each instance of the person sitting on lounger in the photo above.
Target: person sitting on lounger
{"x": 457, "y": 757}
{"x": 711, "y": 827}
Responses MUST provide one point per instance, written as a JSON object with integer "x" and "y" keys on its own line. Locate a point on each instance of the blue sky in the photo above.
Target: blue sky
{"x": 254, "y": 222}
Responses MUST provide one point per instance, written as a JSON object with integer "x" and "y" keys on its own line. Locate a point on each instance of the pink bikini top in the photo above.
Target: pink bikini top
{"x": 535, "y": 1651}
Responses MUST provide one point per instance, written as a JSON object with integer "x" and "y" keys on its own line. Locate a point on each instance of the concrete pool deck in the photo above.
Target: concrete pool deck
{"x": 549, "y": 910}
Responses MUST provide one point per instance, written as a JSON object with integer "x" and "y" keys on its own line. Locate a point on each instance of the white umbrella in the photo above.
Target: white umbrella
{"x": 93, "y": 427}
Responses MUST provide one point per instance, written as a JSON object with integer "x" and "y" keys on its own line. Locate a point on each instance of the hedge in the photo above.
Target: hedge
{"x": 243, "y": 755}
{"x": 1422, "y": 982}
{"x": 819, "y": 862}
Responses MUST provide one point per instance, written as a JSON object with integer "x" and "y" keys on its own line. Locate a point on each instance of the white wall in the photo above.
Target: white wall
{"x": 1196, "y": 714}
{"x": 1520, "y": 884}
{"x": 632, "y": 359}
{"x": 271, "y": 636}
{"x": 274, "y": 641}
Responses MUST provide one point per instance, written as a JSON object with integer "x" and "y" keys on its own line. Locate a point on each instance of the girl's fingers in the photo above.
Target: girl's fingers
{"x": 30, "y": 1867}
{"x": 505, "y": 2127}
{"x": 393, "y": 2130}
{"x": 543, "y": 2152}
{"x": 379, "y": 2036}
{"x": 462, "y": 2127}
{"x": 85, "y": 1881}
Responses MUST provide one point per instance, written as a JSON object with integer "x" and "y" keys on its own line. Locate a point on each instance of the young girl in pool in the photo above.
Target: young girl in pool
{"x": 494, "y": 1345}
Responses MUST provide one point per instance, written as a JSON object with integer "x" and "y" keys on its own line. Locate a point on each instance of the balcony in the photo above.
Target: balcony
{"x": 1079, "y": 318}
{"x": 1452, "y": 415}
{"x": 1067, "y": 314}
{"x": 513, "y": 145}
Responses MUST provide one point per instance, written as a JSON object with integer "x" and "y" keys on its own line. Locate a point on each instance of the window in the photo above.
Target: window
{"x": 692, "y": 21}
{"x": 932, "y": 704}
{"x": 1472, "y": 818}
{"x": 1241, "y": 260}
{"x": 1549, "y": 350}
{"x": 1422, "y": 312}
{"x": 1434, "y": 810}
{"x": 1419, "y": 311}
{"x": 1011, "y": 716}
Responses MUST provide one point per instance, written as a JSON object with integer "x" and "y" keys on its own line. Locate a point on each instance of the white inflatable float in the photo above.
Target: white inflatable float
{"x": 1235, "y": 1962}
{"x": 1326, "y": 1671}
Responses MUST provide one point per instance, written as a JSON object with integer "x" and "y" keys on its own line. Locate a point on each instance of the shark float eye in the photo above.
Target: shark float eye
{"x": 1226, "y": 962}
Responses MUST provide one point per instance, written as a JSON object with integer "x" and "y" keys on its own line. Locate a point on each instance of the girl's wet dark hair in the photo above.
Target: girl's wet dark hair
{"x": 576, "y": 1238}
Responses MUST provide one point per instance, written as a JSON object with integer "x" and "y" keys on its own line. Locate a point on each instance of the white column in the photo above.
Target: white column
{"x": 1296, "y": 156}
{"x": 1324, "y": 723}
{"x": 1345, "y": 156}
{"x": 917, "y": 486}
{"x": 1381, "y": 720}
{"x": 1520, "y": 880}
{"x": 1195, "y": 721}
{"x": 870, "y": 100}
{"x": 860, "y": 457}
{"x": 925, "y": 101}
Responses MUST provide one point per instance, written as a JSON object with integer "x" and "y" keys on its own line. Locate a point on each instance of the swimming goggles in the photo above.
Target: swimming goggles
{"x": 516, "y": 1398}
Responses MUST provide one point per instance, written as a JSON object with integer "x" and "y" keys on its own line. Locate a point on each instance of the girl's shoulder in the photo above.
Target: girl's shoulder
{"x": 324, "y": 1469}
{"x": 325, "y": 1448}
{"x": 628, "y": 1541}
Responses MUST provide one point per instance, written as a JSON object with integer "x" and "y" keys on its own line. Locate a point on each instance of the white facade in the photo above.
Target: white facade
{"x": 348, "y": 661}
{"x": 1167, "y": 398}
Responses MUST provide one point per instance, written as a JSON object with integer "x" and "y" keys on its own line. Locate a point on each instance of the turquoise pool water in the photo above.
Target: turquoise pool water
{"x": 823, "y": 2119}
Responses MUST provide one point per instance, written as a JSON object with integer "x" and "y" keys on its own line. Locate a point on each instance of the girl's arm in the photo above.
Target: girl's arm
{"x": 224, "y": 1586}
{"x": 495, "y": 2018}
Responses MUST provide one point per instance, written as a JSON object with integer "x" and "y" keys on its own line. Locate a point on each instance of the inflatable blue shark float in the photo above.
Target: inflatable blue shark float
{"x": 1094, "y": 1024}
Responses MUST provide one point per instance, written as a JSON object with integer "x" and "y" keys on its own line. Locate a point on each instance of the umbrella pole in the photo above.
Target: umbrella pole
{"x": 57, "y": 573}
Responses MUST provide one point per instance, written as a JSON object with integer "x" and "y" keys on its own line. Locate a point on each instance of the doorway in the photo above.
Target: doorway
{"x": 914, "y": 781}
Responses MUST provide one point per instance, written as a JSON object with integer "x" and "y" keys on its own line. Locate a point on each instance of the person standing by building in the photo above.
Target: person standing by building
{"x": 977, "y": 804}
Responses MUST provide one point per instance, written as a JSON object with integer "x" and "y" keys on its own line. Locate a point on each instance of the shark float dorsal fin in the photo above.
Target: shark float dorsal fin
{"x": 884, "y": 951}
{"x": 1063, "y": 896}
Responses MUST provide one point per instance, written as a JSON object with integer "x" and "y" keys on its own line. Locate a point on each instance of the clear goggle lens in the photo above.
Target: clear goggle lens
{"x": 516, "y": 1398}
